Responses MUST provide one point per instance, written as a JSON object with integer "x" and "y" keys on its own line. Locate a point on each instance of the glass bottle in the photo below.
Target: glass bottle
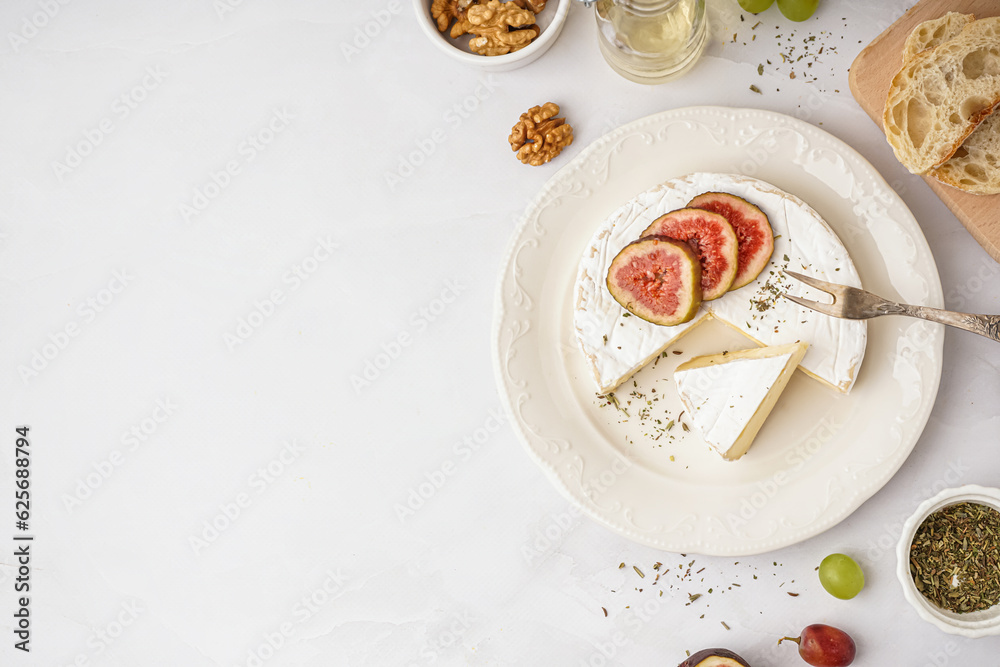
{"x": 651, "y": 41}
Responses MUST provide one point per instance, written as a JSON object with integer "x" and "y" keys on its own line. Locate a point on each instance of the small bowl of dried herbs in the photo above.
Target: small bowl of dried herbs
{"x": 949, "y": 560}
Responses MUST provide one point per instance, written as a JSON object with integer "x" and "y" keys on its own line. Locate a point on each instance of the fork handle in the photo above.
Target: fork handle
{"x": 984, "y": 325}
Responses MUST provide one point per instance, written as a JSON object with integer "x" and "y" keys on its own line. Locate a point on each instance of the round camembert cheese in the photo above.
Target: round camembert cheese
{"x": 616, "y": 344}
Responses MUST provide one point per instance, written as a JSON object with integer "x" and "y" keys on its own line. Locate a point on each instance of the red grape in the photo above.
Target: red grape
{"x": 825, "y": 646}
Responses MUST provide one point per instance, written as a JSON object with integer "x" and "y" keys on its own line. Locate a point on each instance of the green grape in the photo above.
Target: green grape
{"x": 798, "y": 10}
{"x": 841, "y": 576}
{"x": 755, "y": 6}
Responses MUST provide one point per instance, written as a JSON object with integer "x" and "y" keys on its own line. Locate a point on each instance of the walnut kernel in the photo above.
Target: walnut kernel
{"x": 534, "y": 5}
{"x": 491, "y": 24}
{"x": 443, "y": 11}
{"x": 538, "y": 136}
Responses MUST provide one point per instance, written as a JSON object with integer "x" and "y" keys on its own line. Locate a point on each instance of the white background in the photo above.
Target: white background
{"x": 117, "y": 299}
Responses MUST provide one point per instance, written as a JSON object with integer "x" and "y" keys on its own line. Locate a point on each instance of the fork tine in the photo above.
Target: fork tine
{"x": 829, "y": 288}
{"x": 825, "y": 308}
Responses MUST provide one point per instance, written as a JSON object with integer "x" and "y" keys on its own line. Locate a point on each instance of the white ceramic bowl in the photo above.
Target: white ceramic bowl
{"x": 550, "y": 20}
{"x": 975, "y": 624}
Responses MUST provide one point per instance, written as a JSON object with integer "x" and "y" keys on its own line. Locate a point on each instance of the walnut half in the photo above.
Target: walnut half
{"x": 491, "y": 24}
{"x": 538, "y": 136}
{"x": 443, "y": 11}
{"x": 534, "y": 5}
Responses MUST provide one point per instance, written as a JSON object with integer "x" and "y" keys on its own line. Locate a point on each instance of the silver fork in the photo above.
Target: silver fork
{"x": 857, "y": 304}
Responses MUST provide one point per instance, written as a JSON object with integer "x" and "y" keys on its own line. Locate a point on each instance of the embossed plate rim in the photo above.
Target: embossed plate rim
{"x": 548, "y": 446}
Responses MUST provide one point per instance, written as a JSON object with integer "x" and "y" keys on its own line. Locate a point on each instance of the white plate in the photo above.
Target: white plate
{"x": 820, "y": 455}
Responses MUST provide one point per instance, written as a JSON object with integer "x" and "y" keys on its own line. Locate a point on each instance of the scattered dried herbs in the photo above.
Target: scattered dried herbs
{"x": 955, "y": 557}
{"x": 613, "y": 400}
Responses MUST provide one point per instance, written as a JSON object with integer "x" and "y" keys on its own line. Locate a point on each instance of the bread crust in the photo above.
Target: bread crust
{"x": 974, "y": 121}
{"x": 975, "y": 167}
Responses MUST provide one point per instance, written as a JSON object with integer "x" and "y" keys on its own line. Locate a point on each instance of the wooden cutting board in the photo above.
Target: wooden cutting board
{"x": 871, "y": 75}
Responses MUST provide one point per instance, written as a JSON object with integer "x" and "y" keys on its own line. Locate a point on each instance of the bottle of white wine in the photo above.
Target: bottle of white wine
{"x": 651, "y": 41}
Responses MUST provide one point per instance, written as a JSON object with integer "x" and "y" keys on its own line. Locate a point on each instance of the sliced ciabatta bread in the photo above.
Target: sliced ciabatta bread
{"x": 941, "y": 95}
{"x": 975, "y": 166}
{"x": 935, "y": 32}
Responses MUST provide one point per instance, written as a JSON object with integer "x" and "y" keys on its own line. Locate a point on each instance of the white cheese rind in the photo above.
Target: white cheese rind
{"x": 836, "y": 346}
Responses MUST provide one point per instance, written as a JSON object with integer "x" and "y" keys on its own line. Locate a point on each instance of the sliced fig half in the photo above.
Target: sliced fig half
{"x": 753, "y": 231}
{"x": 657, "y": 279}
{"x": 714, "y": 657}
{"x": 713, "y": 240}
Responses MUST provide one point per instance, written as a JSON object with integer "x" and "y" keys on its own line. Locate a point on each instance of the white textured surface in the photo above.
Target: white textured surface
{"x": 616, "y": 345}
{"x": 722, "y": 399}
{"x": 495, "y": 567}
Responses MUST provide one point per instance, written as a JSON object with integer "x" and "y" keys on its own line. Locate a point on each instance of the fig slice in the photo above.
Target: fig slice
{"x": 657, "y": 279}
{"x": 753, "y": 231}
{"x": 713, "y": 241}
{"x": 714, "y": 657}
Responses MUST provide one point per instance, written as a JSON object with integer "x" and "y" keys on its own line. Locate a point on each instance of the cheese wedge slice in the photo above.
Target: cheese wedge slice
{"x": 728, "y": 396}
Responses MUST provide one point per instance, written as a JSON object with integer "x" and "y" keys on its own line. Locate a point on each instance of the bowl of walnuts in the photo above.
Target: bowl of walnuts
{"x": 492, "y": 35}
